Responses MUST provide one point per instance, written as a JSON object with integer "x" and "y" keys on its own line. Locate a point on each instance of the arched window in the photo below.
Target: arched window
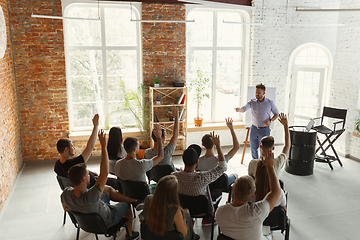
{"x": 309, "y": 70}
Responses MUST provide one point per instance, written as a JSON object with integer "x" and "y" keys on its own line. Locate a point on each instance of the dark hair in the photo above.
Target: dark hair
{"x": 261, "y": 86}
{"x": 267, "y": 142}
{"x": 261, "y": 181}
{"x": 114, "y": 142}
{"x": 190, "y": 157}
{"x": 206, "y": 141}
{"x": 162, "y": 134}
{"x": 76, "y": 173}
{"x": 130, "y": 143}
{"x": 62, "y": 144}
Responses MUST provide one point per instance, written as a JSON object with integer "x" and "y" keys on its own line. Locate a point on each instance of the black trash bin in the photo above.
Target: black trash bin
{"x": 302, "y": 151}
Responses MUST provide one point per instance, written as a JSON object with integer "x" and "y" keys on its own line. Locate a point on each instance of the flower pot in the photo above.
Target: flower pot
{"x": 156, "y": 85}
{"x": 198, "y": 121}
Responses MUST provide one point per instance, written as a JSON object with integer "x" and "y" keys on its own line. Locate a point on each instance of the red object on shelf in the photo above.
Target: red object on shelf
{"x": 183, "y": 99}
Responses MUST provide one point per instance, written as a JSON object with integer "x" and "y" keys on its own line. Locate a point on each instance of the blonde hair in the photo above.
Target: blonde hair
{"x": 244, "y": 188}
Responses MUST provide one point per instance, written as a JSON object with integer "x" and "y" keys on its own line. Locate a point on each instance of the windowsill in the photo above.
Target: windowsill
{"x": 356, "y": 134}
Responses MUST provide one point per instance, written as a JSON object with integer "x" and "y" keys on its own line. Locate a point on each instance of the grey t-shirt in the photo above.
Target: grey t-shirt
{"x": 207, "y": 163}
{"x": 133, "y": 169}
{"x": 167, "y": 152}
{"x": 88, "y": 202}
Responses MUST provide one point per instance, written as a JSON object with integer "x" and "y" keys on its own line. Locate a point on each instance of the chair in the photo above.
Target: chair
{"x": 199, "y": 207}
{"x": 222, "y": 184}
{"x": 64, "y": 183}
{"x": 223, "y": 237}
{"x": 331, "y": 135}
{"x": 159, "y": 171}
{"x": 147, "y": 234}
{"x": 93, "y": 223}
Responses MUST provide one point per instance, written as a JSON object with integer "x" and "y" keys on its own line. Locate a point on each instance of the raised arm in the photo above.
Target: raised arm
{"x": 236, "y": 145}
{"x": 104, "y": 163}
{"x": 92, "y": 140}
{"x": 175, "y": 135}
{"x": 159, "y": 157}
{"x": 284, "y": 121}
{"x": 216, "y": 141}
{"x": 275, "y": 189}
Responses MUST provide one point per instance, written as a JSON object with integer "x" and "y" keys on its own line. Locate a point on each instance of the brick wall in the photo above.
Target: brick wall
{"x": 40, "y": 75}
{"x": 10, "y": 146}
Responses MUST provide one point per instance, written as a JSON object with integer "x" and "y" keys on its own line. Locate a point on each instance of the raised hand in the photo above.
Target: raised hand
{"x": 157, "y": 132}
{"x": 215, "y": 139}
{"x": 229, "y": 122}
{"x": 269, "y": 161}
{"x": 95, "y": 120}
{"x": 102, "y": 137}
{"x": 283, "y": 119}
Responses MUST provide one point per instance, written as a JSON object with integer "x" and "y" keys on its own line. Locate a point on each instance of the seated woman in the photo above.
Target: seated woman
{"x": 262, "y": 188}
{"x": 163, "y": 213}
{"x": 115, "y": 148}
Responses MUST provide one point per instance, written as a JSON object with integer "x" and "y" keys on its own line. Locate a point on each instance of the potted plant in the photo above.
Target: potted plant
{"x": 198, "y": 85}
{"x": 357, "y": 124}
{"x": 156, "y": 82}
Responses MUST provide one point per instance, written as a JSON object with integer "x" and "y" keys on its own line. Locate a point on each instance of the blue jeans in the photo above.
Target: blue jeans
{"x": 256, "y": 134}
{"x": 231, "y": 178}
{"x": 117, "y": 211}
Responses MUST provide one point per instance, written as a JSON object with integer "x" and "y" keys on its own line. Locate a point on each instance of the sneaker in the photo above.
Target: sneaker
{"x": 137, "y": 205}
{"x": 134, "y": 236}
{"x": 206, "y": 222}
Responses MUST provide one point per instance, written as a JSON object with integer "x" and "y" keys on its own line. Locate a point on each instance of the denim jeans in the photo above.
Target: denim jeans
{"x": 256, "y": 134}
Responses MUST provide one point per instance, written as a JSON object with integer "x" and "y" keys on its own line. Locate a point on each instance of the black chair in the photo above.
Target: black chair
{"x": 331, "y": 135}
{"x": 159, "y": 171}
{"x": 147, "y": 234}
{"x": 93, "y": 223}
{"x": 199, "y": 207}
{"x": 223, "y": 237}
{"x": 64, "y": 183}
{"x": 221, "y": 184}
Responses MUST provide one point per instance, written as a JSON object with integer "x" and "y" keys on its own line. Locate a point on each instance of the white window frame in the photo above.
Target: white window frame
{"x": 136, "y": 8}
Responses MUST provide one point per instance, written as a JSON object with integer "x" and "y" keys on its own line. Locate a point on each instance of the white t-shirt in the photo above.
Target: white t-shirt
{"x": 243, "y": 222}
{"x": 133, "y": 169}
{"x": 207, "y": 163}
{"x": 279, "y": 164}
{"x": 167, "y": 153}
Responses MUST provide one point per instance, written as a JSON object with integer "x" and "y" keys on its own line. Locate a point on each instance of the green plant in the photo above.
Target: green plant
{"x": 198, "y": 85}
{"x": 156, "y": 81}
{"x": 357, "y": 124}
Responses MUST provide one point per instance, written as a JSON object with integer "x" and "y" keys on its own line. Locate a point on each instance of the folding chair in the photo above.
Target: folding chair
{"x": 331, "y": 135}
{"x": 221, "y": 184}
{"x": 199, "y": 207}
{"x": 93, "y": 223}
{"x": 64, "y": 183}
{"x": 159, "y": 171}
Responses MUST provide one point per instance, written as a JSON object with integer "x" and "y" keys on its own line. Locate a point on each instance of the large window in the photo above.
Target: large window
{"x": 102, "y": 63}
{"x": 217, "y": 49}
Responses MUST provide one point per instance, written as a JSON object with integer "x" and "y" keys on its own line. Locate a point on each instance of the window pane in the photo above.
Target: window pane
{"x": 83, "y": 114}
{"x": 117, "y": 33}
{"x": 200, "y": 33}
{"x": 83, "y": 32}
{"x": 312, "y": 56}
{"x": 229, "y": 34}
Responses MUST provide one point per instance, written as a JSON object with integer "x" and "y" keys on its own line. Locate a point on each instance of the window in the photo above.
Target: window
{"x": 217, "y": 49}
{"x": 102, "y": 63}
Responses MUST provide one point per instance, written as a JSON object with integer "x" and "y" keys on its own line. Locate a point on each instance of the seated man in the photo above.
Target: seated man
{"x": 241, "y": 220}
{"x": 67, "y": 150}
{"x": 268, "y": 143}
{"x": 96, "y": 199}
{"x": 209, "y": 160}
{"x": 193, "y": 183}
{"x": 132, "y": 169}
{"x": 169, "y": 149}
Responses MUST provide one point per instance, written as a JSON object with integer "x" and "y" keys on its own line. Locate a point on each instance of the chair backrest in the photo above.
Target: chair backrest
{"x": 277, "y": 218}
{"x": 63, "y": 182}
{"x": 334, "y": 113}
{"x": 147, "y": 234}
{"x": 223, "y": 237}
{"x": 199, "y": 206}
{"x": 221, "y": 183}
{"x": 159, "y": 171}
{"x": 89, "y": 222}
{"x": 135, "y": 190}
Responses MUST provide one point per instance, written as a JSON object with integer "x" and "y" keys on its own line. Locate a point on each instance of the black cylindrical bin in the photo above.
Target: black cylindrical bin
{"x": 302, "y": 151}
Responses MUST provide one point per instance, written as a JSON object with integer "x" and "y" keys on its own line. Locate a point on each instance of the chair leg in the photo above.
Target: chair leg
{"x": 78, "y": 233}
{"x": 96, "y": 236}
{"x": 64, "y": 218}
{"x": 212, "y": 227}
{"x": 287, "y": 232}
{"x": 126, "y": 229}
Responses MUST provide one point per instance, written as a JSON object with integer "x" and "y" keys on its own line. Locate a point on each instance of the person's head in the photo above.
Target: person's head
{"x": 65, "y": 145}
{"x": 78, "y": 174}
{"x": 244, "y": 188}
{"x": 261, "y": 181}
{"x": 162, "y": 135}
{"x": 206, "y": 141}
{"x": 191, "y": 155}
{"x": 260, "y": 91}
{"x": 114, "y": 142}
{"x": 131, "y": 144}
{"x": 267, "y": 143}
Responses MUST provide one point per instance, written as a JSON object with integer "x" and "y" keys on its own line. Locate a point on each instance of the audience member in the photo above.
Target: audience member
{"x": 241, "y": 220}
{"x": 197, "y": 183}
{"x": 96, "y": 199}
{"x": 169, "y": 149}
{"x": 115, "y": 148}
{"x": 209, "y": 160}
{"x": 163, "y": 213}
{"x": 268, "y": 143}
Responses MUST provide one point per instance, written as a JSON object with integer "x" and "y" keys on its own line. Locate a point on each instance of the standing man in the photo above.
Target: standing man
{"x": 261, "y": 109}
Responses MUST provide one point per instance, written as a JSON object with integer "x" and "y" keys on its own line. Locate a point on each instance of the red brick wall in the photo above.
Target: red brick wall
{"x": 10, "y": 146}
{"x": 40, "y": 75}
